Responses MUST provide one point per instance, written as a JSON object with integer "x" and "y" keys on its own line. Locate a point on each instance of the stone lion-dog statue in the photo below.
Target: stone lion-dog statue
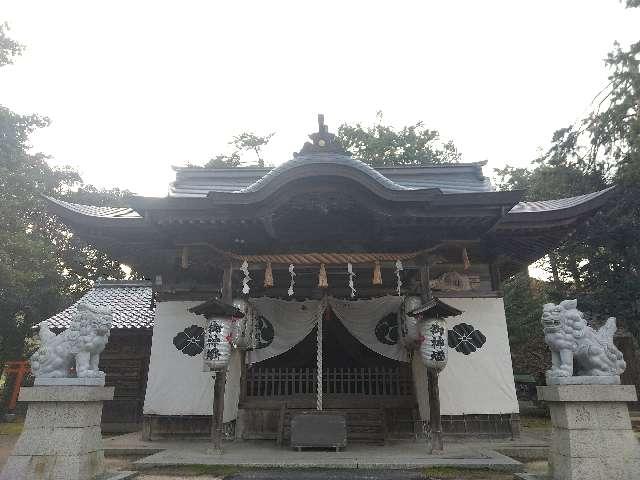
{"x": 78, "y": 347}
{"x": 576, "y": 348}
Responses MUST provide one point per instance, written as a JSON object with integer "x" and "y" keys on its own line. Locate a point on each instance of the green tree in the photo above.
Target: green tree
{"x": 382, "y": 145}
{"x": 600, "y": 262}
{"x": 9, "y": 48}
{"x": 378, "y": 145}
{"x": 43, "y": 267}
{"x": 523, "y": 300}
{"x": 242, "y": 143}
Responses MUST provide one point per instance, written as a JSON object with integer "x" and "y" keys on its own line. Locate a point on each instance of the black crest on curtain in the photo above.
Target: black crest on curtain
{"x": 387, "y": 329}
{"x": 264, "y": 332}
{"x": 465, "y": 339}
{"x": 190, "y": 341}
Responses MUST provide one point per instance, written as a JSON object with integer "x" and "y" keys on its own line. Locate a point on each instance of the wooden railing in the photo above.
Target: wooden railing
{"x": 272, "y": 382}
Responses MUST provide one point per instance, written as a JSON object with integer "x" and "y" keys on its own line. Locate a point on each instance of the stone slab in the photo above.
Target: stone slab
{"x": 53, "y": 467}
{"x": 61, "y": 438}
{"x": 73, "y": 381}
{"x": 58, "y": 441}
{"x": 62, "y": 393}
{"x": 394, "y": 455}
{"x": 590, "y": 415}
{"x": 122, "y": 475}
{"x": 588, "y": 393}
{"x": 528, "y": 476}
{"x": 63, "y": 414}
{"x": 584, "y": 380}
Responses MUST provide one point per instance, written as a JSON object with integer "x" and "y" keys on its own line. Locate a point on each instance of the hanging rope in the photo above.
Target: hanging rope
{"x": 320, "y": 314}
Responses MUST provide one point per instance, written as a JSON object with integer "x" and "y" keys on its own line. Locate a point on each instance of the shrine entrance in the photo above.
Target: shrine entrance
{"x": 374, "y": 393}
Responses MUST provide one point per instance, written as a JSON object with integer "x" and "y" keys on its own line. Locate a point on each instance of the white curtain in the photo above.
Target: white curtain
{"x": 481, "y": 382}
{"x": 361, "y": 317}
{"x": 176, "y": 384}
{"x": 291, "y": 322}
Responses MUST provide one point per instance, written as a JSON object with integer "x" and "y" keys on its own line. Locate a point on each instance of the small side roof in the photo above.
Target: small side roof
{"x": 131, "y": 304}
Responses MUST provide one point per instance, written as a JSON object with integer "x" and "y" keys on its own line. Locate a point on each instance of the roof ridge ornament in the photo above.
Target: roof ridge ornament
{"x": 322, "y": 141}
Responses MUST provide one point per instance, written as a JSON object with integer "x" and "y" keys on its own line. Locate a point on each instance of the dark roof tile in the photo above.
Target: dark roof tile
{"x": 131, "y": 304}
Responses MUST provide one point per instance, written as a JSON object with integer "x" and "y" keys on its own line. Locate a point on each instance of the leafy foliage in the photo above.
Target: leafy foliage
{"x": 242, "y": 143}
{"x": 379, "y": 145}
{"x": 383, "y": 146}
{"x": 523, "y": 300}
{"x": 9, "y": 49}
{"x": 43, "y": 267}
{"x": 600, "y": 262}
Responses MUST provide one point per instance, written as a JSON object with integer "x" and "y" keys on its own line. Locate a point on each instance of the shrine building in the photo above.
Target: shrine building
{"x": 321, "y": 284}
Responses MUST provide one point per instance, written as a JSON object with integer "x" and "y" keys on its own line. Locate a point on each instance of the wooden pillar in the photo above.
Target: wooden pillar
{"x": 243, "y": 375}
{"x": 217, "y": 415}
{"x": 494, "y": 272}
{"x": 434, "y": 410}
{"x": 435, "y": 422}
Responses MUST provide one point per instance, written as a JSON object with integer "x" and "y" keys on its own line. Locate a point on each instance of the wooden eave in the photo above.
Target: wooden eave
{"x": 436, "y": 308}
{"x": 214, "y": 307}
{"x": 527, "y": 236}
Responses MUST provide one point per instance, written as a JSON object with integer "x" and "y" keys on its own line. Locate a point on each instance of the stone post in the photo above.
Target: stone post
{"x": 591, "y": 432}
{"x": 61, "y": 439}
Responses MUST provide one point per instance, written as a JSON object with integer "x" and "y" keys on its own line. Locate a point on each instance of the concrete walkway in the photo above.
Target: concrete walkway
{"x": 266, "y": 454}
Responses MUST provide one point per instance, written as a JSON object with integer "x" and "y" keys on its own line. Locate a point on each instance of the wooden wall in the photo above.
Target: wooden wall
{"x": 125, "y": 360}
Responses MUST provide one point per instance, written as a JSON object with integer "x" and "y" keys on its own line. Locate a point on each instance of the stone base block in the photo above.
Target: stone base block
{"x": 61, "y": 438}
{"x": 54, "y": 467}
{"x": 584, "y": 380}
{"x": 591, "y": 435}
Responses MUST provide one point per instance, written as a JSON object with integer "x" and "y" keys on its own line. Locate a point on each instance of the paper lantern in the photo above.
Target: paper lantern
{"x": 409, "y": 332}
{"x": 433, "y": 349}
{"x": 217, "y": 345}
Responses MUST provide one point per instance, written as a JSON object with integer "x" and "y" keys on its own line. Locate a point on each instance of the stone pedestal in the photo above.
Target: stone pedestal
{"x": 61, "y": 439}
{"x": 591, "y": 436}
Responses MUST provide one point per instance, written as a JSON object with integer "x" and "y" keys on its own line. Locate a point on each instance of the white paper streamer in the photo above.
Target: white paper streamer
{"x": 351, "y": 277}
{"x": 293, "y": 274}
{"x": 245, "y": 281}
{"x": 243, "y": 329}
{"x": 398, "y": 268}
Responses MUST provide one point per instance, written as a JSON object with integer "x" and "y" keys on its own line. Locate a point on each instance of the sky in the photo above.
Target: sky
{"x": 132, "y": 88}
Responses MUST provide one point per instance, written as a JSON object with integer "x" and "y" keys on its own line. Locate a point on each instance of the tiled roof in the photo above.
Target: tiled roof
{"x": 324, "y": 159}
{"x": 451, "y": 178}
{"x": 558, "y": 204}
{"x": 94, "y": 211}
{"x": 131, "y": 304}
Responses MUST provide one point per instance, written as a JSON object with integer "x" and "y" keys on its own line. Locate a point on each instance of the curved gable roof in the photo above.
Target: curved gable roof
{"x": 197, "y": 182}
